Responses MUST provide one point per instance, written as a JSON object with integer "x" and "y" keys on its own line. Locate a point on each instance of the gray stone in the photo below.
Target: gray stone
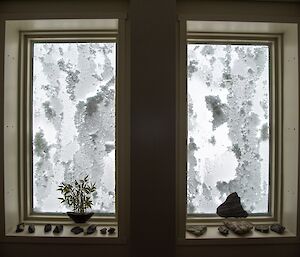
{"x": 196, "y": 230}
{"x": 77, "y": 230}
{"x": 277, "y": 228}
{"x": 262, "y": 228}
{"x": 47, "y": 228}
{"x": 31, "y": 228}
{"x": 103, "y": 231}
{"x": 58, "y": 229}
{"x": 223, "y": 230}
{"x": 238, "y": 227}
{"x": 91, "y": 229}
{"x": 232, "y": 207}
{"x": 20, "y": 228}
{"x": 111, "y": 230}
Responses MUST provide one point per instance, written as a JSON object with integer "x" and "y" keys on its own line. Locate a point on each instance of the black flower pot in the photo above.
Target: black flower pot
{"x": 80, "y": 217}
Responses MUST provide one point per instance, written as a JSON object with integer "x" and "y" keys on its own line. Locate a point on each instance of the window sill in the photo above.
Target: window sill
{"x": 212, "y": 236}
{"x": 66, "y": 236}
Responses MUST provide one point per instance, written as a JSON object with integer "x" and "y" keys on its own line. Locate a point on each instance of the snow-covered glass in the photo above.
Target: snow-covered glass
{"x": 73, "y": 121}
{"x": 228, "y": 144}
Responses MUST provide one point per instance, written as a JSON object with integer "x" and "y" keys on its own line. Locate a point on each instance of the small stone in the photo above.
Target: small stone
{"x": 111, "y": 230}
{"x": 277, "y": 228}
{"x": 239, "y": 227}
{"x": 196, "y": 230}
{"x": 20, "y": 228}
{"x": 77, "y": 230}
{"x": 103, "y": 231}
{"x": 91, "y": 229}
{"x": 58, "y": 229}
{"x": 31, "y": 228}
{"x": 47, "y": 228}
{"x": 262, "y": 228}
{"x": 223, "y": 230}
{"x": 232, "y": 207}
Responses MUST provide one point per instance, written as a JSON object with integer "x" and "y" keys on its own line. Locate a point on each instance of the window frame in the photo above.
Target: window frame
{"x": 16, "y": 198}
{"x": 28, "y": 38}
{"x": 288, "y": 79}
{"x": 275, "y": 113}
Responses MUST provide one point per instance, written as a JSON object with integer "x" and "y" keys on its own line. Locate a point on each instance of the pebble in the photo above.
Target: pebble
{"x": 223, "y": 230}
{"x": 58, "y": 229}
{"x": 238, "y": 227}
{"x": 103, "y": 231}
{"x": 262, "y": 228}
{"x": 91, "y": 229}
{"x": 47, "y": 228}
{"x": 77, "y": 230}
{"x": 31, "y": 228}
{"x": 196, "y": 230}
{"x": 277, "y": 228}
{"x": 20, "y": 228}
{"x": 111, "y": 230}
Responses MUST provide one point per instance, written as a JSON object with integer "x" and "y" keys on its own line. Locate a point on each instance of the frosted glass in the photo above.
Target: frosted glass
{"x": 73, "y": 121}
{"x": 228, "y": 126}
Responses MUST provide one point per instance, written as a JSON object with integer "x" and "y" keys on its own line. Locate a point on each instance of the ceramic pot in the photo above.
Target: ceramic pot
{"x": 80, "y": 217}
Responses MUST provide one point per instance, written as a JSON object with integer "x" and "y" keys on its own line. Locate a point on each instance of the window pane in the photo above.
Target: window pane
{"x": 228, "y": 126}
{"x": 73, "y": 121}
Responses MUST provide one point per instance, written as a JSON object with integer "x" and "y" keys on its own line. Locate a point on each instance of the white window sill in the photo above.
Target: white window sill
{"x": 212, "y": 236}
{"x": 65, "y": 236}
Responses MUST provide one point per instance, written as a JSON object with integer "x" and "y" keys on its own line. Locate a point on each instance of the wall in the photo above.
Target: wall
{"x": 153, "y": 37}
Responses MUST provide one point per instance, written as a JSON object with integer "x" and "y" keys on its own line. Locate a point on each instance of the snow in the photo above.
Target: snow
{"x": 228, "y": 126}
{"x": 73, "y": 121}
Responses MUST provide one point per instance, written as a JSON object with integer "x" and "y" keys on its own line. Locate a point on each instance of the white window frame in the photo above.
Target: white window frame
{"x": 17, "y": 132}
{"x": 285, "y": 173}
{"x": 26, "y": 169}
{"x": 274, "y": 43}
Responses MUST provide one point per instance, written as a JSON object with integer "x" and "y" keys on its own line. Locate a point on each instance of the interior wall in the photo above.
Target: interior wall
{"x": 153, "y": 94}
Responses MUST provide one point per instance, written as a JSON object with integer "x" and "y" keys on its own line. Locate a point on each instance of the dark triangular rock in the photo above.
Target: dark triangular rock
{"x": 232, "y": 207}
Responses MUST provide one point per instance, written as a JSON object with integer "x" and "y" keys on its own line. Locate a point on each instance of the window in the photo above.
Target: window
{"x": 73, "y": 119}
{"x": 228, "y": 86}
{"x": 66, "y": 117}
{"x": 236, "y": 85}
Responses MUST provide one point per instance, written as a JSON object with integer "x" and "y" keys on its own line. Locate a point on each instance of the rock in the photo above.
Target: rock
{"x": 262, "y": 228}
{"x": 277, "y": 228}
{"x": 103, "y": 231}
{"x": 77, "y": 230}
{"x": 223, "y": 230}
{"x": 196, "y": 230}
{"x": 47, "y": 228}
{"x": 91, "y": 229}
{"x": 31, "y": 228}
{"x": 58, "y": 229}
{"x": 111, "y": 230}
{"x": 238, "y": 227}
{"x": 20, "y": 228}
{"x": 232, "y": 207}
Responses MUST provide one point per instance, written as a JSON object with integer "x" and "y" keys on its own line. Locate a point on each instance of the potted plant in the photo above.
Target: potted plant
{"x": 78, "y": 196}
